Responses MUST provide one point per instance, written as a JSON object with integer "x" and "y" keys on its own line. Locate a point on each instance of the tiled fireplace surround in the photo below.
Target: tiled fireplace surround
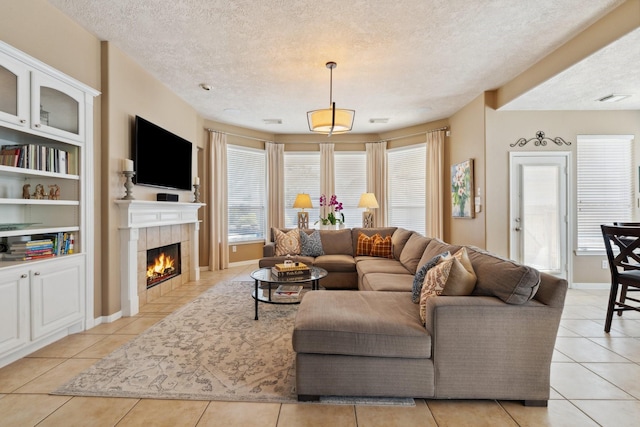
{"x": 147, "y": 225}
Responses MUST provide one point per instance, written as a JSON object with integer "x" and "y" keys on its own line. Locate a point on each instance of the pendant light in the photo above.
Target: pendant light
{"x": 331, "y": 120}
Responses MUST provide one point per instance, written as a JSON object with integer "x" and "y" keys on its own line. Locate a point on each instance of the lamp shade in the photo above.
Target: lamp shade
{"x": 368, "y": 201}
{"x": 322, "y": 121}
{"x": 303, "y": 200}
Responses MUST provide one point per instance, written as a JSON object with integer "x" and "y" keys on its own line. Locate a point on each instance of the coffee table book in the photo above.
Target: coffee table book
{"x": 302, "y": 273}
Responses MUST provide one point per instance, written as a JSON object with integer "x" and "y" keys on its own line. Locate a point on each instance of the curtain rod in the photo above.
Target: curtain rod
{"x": 334, "y": 142}
{"x": 418, "y": 133}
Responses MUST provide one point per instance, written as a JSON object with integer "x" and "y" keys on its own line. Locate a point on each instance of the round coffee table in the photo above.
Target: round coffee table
{"x": 265, "y": 276}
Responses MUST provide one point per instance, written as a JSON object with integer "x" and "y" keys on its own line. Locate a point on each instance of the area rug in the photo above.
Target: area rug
{"x": 210, "y": 349}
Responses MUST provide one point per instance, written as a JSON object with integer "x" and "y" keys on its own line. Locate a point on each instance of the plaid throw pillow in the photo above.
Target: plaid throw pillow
{"x": 382, "y": 247}
{"x": 365, "y": 243}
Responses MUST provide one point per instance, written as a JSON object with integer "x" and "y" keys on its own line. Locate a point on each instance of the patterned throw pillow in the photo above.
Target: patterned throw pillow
{"x": 365, "y": 243}
{"x": 310, "y": 244}
{"x": 418, "y": 279}
{"x": 434, "y": 283}
{"x": 287, "y": 243}
{"x": 382, "y": 247}
{"x": 462, "y": 279}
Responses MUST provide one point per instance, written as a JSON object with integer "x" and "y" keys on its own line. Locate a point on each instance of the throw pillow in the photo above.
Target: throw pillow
{"x": 418, "y": 279}
{"x": 382, "y": 247}
{"x": 462, "y": 278}
{"x": 434, "y": 283}
{"x": 287, "y": 243}
{"x": 365, "y": 243}
{"x": 310, "y": 244}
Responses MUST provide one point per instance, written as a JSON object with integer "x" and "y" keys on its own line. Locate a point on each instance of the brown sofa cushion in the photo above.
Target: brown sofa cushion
{"x": 378, "y": 324}
{"x": 335, "y": 263}
{"x": 335, "y": 242}
{"x": 435, "y": 247}
{"x": 399, "y": 238}
{"x": 387, "y": 282}
{"x": 513, "y": 283}
{"x": 368, "y": 265}
{"x": 413, "y": 251}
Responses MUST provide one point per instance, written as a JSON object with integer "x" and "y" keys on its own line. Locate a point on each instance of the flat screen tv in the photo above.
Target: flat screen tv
{"x": 161, "y": 158}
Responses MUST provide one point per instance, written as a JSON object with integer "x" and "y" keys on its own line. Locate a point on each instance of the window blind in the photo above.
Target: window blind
{"x": 350, "y": 170}
{"x": 246, "y": 193}
{"x": 301, "y": 175}
{"x": 406, "y": 187}
{"x": 605, "y": 186}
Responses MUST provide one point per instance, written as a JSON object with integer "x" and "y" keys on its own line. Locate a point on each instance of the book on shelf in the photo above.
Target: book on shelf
{"x": 37, "y": 157}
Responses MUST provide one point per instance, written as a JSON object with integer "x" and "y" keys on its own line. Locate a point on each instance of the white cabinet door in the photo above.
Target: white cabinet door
{"x": 57, "y": 108}
{"x": 14, "y": 309}
{"x": 57, "y": 295}
{"x": 14, "y": 92}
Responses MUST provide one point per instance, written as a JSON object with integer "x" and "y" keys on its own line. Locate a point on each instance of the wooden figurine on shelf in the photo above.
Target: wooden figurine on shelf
{"x": 54, "y": 192}
{"x": 26, "y": 191}
{"x": 39, "y": 194}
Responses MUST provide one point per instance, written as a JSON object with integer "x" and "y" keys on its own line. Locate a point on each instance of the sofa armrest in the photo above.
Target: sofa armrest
{"x": 484, "y": 348}
{"x": 269, "y": 249}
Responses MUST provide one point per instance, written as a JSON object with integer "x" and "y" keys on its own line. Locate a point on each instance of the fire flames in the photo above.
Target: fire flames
{"x": 162, "y": 266}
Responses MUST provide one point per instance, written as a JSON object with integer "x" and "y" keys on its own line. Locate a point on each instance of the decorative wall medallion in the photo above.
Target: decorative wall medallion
{"x": 540, "y": 140}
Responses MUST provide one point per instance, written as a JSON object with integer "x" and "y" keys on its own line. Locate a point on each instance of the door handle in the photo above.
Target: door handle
{"x": 517, "y": 228}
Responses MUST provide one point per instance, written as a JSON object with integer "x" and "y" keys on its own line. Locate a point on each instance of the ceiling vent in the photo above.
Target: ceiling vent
{"x": 613, "y": 98}
{"x": 378, "y": 120}
{"x": 272, "y": 121}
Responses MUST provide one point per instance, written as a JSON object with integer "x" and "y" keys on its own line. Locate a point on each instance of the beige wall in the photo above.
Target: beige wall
{"x": 505, "y": 127}
{"x": 129, "y": 91}
{"x": 467, "y": 141}
{"x": 40, "y": 30}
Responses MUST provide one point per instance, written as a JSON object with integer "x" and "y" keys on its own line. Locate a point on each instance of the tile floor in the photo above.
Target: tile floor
{"x": 594, "y": 378}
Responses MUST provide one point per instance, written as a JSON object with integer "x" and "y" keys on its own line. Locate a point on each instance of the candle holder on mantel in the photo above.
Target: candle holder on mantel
{"x": 196, "y": 193}
{"x": 128, "y": 185}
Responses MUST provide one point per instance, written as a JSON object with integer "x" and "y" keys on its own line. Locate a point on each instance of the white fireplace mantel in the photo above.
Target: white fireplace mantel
{"x": 136, "y": 214}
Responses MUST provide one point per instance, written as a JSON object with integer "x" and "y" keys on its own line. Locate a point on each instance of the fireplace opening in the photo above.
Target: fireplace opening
{"x": 162, "y": 264}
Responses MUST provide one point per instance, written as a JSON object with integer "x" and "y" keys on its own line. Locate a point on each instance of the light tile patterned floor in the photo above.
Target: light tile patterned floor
{"x": 594, "y": 379}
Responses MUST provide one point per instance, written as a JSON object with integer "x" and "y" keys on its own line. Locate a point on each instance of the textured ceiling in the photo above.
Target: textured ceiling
{"x": 411, "y": 62}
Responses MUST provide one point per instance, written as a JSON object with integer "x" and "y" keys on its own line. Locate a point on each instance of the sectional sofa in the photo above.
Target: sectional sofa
{"x": 494, "y": 343}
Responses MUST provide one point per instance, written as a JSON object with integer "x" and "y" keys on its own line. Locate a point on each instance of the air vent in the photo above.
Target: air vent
{"x": 378, "y": 120}
{"x": 613, "y": 98}
{"x": 272, "y": 121}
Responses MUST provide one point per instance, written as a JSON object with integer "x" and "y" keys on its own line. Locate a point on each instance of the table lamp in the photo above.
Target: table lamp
{"x": 303, "y": 200}
{"x": 368, "y": 201}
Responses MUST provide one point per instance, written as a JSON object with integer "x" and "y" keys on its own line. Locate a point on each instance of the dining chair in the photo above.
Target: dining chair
{"x": 624, "y": 265}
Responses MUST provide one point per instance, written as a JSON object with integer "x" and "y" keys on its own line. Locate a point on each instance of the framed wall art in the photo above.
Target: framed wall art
{"x": 462, "y": 190}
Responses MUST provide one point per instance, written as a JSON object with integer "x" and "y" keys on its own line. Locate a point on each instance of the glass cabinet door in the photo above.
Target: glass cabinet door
{"x": 14, "y": 92}
{"x": 56, "y": 108}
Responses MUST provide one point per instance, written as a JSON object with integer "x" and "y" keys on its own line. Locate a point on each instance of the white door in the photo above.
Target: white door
{"x": 538, "y": 214}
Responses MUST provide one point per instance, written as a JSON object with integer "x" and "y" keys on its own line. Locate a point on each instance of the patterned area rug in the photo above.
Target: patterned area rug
{"x": 211, "y": 349}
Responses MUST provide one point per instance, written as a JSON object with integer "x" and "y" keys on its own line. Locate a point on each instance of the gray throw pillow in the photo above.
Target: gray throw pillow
{"x": 418, "y": 279}
{"x": 311, "y": 245}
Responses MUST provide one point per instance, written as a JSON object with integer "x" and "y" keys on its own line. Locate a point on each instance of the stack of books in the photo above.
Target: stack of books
{"x": 287, "y": 292}
{"x": 291, "y": 271}
{"x": 32, "y": 156}
{"x": 32, "y": 249}
{"x": 42, "y": 246}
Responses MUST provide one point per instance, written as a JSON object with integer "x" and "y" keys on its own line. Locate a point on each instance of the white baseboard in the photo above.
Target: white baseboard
{"x": 591, "y": 286}
{"x": 107, "y": 319}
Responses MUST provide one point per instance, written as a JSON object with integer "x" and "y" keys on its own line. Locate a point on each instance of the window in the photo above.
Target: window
{"x": 246, "y": 193}
{"x": 301, "y": 175}
{"x": 406, "y": 187}
{"x": 605, "y": 188}
{"x": 350, "y": 182}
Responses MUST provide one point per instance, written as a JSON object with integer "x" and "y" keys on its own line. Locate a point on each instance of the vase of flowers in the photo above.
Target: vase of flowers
{"x": 330, "y": 212}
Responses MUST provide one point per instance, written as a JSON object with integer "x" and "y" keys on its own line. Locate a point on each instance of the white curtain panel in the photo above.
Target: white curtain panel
{"x": 435, "y": 184}
{"x": 377, "y": 178}
{"x": 327, "y": 174}
{"x": 275, "y": 186}
{"x": 219, "y": 241}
